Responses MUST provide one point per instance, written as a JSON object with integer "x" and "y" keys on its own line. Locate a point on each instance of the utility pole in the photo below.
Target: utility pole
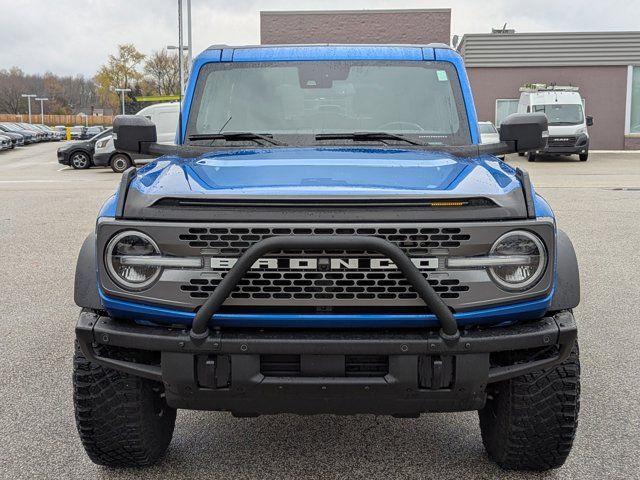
{"x": 42, "y": 100}
{"x": 122, "y": 92}
{"x": 29, "y": 97}
{"x": 189, "y": 39}
{"x": 180, "y": 49}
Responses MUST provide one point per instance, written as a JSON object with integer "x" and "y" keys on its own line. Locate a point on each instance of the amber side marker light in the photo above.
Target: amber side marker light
{"x": 448, "y": 204}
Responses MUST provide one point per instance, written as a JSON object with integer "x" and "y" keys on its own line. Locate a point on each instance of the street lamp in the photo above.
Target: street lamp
{"x": 42, "y": 100}
{"x": 122, "y": 91}
{"x": 180, "y": 67}
{"x": 29, "y": 97}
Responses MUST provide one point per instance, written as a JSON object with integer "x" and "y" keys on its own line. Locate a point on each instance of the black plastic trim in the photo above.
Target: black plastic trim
{"x": 567, "y": 293}
{"x": 85, "y": 293}
{"x": 527, "y": 190}
{"x": 123, "y": 190}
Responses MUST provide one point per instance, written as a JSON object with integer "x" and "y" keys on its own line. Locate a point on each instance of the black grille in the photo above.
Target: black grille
{"x": 366, "y": 365}
{"x": 280, "y": 365}
{"x": 309, "y": 285}
{"x": 235, "y": 241}
{"x": 566, "y": 141}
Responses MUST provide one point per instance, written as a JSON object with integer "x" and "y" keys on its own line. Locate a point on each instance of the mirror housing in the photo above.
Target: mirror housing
{"x": 133, "y": 133}
{"x": 523, "y": 132}
{"x": 589, "y": 120}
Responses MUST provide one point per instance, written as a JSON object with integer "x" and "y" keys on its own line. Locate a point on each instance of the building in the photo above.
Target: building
{"x": 605, "y": 65}
{"x": 356, "y": 26}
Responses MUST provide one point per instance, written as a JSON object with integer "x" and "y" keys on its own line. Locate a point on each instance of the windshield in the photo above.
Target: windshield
{"x": 561, "y": 114}
{"x": 421, "y": 100}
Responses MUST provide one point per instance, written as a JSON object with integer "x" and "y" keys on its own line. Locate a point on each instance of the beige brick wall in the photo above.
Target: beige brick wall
{"x": 362, "y": 26}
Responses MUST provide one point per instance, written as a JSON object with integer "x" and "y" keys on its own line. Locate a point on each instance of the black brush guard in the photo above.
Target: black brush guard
{"x": 448, "y": 327}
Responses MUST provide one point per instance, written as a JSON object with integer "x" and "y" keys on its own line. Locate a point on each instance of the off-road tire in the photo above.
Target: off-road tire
{"x": 530, "y": 421}
{"x": 583, "y": 157}
{"x": 123, "y": 420}
{"x": 531, "y": 157}
{"x": 120, "y": 162}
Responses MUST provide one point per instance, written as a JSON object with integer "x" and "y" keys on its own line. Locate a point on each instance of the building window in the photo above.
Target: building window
{"x": 634, "y": 124}
{"x": 504, "y": 108}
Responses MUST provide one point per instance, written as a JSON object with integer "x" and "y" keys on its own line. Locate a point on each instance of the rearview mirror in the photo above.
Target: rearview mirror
{"x": 524, "y": 131}
{"x": 133, "y": 133}
{"x": 589, "y": 120}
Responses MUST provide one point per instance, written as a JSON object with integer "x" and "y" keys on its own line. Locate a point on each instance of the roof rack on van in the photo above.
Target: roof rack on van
{"x": 543, "y": 87}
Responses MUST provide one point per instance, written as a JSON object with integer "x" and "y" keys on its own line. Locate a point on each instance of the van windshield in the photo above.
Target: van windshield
{"x": 297, "y": 101}
{"x": 561, "y": 114}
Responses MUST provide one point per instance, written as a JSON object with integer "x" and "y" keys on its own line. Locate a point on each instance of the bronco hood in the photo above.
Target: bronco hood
{"x": 322, "y": 175}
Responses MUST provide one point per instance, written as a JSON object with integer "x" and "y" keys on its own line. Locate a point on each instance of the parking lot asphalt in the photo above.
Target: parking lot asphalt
{"x": 47, "y": 210}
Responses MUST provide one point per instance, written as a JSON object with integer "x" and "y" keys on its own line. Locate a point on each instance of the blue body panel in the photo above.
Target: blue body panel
{"x": 328, "y": 171}
{"x": 495, "y": 315}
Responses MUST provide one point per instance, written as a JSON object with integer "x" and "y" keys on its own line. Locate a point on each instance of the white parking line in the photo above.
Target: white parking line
{"x": 63, "y": 168}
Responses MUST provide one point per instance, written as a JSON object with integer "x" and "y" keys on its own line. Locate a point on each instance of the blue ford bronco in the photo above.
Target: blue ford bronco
{"x": 328, "y": 235}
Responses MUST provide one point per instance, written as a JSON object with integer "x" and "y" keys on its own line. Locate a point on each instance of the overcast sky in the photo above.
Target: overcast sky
{"x": 75, "y": 36}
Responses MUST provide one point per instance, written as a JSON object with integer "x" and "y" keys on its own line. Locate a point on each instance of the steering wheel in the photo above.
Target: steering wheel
{"x": 400, "y": 124}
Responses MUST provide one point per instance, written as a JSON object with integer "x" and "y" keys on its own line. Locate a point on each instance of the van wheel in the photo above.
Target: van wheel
{"x": 532, "y": 157}
{"x": 80, "y": 161}
{"x": 583, "y": 157}
{"x": 529, "y": 422}
{"x": 120, "y": 163}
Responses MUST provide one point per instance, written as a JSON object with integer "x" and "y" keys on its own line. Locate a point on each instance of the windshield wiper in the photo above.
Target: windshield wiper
{"x": 236, "y": 136}
{"x": 357, "y": 136}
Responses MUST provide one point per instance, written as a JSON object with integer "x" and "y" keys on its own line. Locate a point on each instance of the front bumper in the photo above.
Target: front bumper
{"x": 63, "y": 158}
{"x": 580, "y": 145}
{"x": 416, "y": 370}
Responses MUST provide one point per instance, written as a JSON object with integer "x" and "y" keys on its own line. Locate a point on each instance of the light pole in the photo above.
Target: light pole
{"x": 122, "y": 91}
{"x": 29, "y": 97}
{"x": 189, "y": 39}
{"x": 42, "y": 100}
{"x": 180, "y": 66}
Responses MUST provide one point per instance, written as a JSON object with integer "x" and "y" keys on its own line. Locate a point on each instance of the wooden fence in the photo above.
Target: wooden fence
{"x": 52, "y": 120}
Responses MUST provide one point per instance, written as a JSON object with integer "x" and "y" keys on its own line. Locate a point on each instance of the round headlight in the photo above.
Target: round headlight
{"x": 523, "y": 274}
{"x": 132, "y": 274}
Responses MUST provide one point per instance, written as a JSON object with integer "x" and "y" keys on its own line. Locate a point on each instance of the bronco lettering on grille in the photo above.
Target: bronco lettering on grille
{"x": 324, "y": 263}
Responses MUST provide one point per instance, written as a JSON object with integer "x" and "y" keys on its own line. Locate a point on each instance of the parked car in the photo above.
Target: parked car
{"x": 28, "y": 135}
{"x": 40, "y": 135}
{"x": 5, "y": 143}
{"x": 78, "y": 133}
{"x": 488, "y": 133}
{"x": 62, "y": 130}
{"x": 16, "y": 138}
{"x": 93, "y": 131}
{"x": 79, "y": 155}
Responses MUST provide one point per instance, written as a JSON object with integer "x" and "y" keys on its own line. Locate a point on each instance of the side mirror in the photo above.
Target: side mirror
{"x": 523, "y": 132}
{"x": 589, "y": 120}
{"x": 133, "y": 133}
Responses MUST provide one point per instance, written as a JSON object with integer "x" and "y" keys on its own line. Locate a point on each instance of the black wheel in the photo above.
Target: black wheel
{"x": 123, "y": 420}
{"x": 521, "y": 154}
{"x": 80, "y": 160}
{"x": 530, "y": 421}
{"x": 120, "y": 163}
{"x": 583, "y": 157}
{"x": 531, "y": 157}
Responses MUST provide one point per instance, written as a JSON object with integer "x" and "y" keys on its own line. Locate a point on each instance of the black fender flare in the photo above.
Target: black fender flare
{"x": 85, "y": 292}
{"x": 567, "y": 294}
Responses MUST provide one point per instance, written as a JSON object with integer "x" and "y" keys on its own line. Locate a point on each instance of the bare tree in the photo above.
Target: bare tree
{"x": 162, "y": 72}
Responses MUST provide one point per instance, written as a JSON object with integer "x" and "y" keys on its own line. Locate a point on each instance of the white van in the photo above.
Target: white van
{"x": 164, "y": 115}
{"x": 568, "y": 124}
